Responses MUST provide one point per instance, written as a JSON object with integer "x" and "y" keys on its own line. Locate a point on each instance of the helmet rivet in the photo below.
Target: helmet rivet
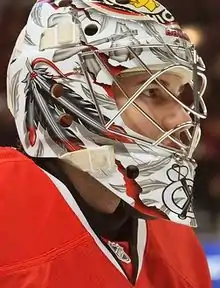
{"x": 132, "y": 172}
{"x": 57, "y": 90}
{"x": 65, "y": 3}
{"x": 66, "y": 120}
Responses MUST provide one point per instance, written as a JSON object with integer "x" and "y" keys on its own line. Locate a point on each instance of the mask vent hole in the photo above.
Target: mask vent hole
{"x": 91, "y": 29}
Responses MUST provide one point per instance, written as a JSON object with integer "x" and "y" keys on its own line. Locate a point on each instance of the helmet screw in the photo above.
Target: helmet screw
{"x": 66, "y": 120}
{"x": 57, "y": 90}
{"x": 132, "y": 172}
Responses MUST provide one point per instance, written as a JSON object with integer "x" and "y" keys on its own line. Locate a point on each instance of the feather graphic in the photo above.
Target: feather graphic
{"x": 152, "y": 31}
{"x": 149, "y": 202}
{"x": 27, "y": 39}
{"x": 102, "y": 99}
{"x": 41, "y": 109}
{"x": 151, "y": 185}
{"x": 151, "y": 167}
{"x": 104, "y": 23}
{"x": 164, "y": 55}
{"x": 30, "y": 121}
{"x": 36, "y": 14}
{"x": 55, "y": 19}
{"x": 40, "y": 149}
{"x": 147, "y": 186}
{"x": 48, "y": 102}
{"x": 14, "y": 92}
{"x": 119, "y": 188}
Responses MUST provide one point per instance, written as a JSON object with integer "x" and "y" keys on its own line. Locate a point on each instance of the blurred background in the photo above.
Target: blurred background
{"x": 201, "y": 20}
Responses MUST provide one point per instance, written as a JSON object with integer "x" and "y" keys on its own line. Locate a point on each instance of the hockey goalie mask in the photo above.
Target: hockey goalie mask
{"x": 93, "y": 83}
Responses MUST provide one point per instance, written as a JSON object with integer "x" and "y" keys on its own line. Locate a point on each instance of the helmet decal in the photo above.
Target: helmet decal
{"x": 134, "y": 9}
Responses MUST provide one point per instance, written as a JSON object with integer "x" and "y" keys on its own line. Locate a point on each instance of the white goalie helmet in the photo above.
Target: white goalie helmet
{"x": 65, "y": 68}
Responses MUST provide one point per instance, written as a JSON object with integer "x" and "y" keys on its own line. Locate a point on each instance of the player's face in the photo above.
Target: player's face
{"x": 155, "y": 102}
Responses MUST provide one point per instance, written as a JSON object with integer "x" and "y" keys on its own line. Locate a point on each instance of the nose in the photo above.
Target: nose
{"x": 175, "y": 115}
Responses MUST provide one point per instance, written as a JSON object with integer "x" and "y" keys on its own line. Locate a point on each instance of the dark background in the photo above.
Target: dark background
{"x": 202, "y": 14}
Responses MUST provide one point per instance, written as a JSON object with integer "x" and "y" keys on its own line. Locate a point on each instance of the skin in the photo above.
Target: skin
{"x": 156, "y": 103}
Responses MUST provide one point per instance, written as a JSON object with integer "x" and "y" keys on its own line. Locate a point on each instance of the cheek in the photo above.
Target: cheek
{"x": 135, "y": 120}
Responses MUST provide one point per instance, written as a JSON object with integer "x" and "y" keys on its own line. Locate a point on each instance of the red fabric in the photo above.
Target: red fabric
{"x": 44, "y": 245}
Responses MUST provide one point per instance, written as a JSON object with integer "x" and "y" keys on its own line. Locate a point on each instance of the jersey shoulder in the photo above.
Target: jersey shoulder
{"x": 8, "y": 154}
{"x": 13, "y": 165}
{"x": 35, "y": 215}
{"x": 177, "y": 247}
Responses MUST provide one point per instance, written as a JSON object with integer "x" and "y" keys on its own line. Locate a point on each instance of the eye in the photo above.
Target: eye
{"x": 152, "y": 93}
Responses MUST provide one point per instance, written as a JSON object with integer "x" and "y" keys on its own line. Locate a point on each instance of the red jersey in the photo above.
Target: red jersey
{"x": 46, "y": 242}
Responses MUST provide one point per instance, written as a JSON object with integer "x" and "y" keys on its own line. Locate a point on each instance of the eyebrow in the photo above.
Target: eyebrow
{"x": 165, "y": 83}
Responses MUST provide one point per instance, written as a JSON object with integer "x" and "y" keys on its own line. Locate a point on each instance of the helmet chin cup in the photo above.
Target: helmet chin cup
{"x": 98, "y": 161}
